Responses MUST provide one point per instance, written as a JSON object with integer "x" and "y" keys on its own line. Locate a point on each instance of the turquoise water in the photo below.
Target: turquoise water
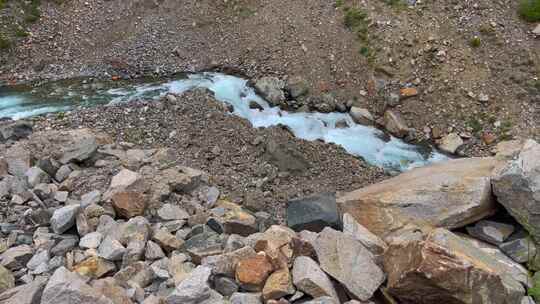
{"x": 371, "y": 144}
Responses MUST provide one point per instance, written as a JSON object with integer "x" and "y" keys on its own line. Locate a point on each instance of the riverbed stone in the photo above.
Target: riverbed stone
{"x": 362, "y": 116}
{"x": 447, "y": 269}
{"x": 64, "y": 218}
{"x": 271, "y": 89}
{"x": 313, "y": 213}
{"x": 450, "y": 143}
{"x": 311, "y": 279}
{"x": 517, "y": 187}
{"x": 80, "y": 145}
{"x": 349, "y": 262}
{"x": 450, "y": 194}
{"x": 491, "y": 232}
{"x": 395, "y": 124}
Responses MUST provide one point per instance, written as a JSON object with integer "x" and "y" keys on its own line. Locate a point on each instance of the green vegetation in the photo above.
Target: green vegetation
{"x": 4, "y": 42}
{"x": 535, "y": 290}
{"x": 475, "y": 42}
{"x": 530, "y": 10}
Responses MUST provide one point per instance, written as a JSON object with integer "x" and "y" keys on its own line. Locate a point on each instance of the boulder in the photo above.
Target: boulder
{"x": 225, "y": 286}
{"x": 451, "y": 194}
{"x": 361, "y": 116}
{"x": 309, "y": 278}
{"x": 195, "y": 289}
{"x": 313, "y": 213}
{"x": 64, "y": 218}
{"x": 111, "y": 249}
{"x": 297, "y": 86}
{"x": 445, "y": 268}
{"x": 225, "y": 264}
{"x": 360, "y": 233}
{"x": 521, "y": 250}
{"x": 91, "y": 240}
{"x": 517, "y": 187}
{"x": 66, "y": 287}
{"x": 349, "y": 263}
{"x": 203, "y": 245}
{"x": 137, "y": 274}
{"x": 271, "y": 89}
{"x": 169, "y": 212}
{"x": 80, "y": 145}
{"x": 395, "y": 124}
{"x": 16, "y": 257}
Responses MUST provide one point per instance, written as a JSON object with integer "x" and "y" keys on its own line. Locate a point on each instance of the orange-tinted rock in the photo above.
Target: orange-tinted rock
{"x": 94, "y": 267}
{"x": 407, "y": 93}
{"x": 128, "y": 204}
{"x": 252, "y": 273}
{"x": 489, "y": 138}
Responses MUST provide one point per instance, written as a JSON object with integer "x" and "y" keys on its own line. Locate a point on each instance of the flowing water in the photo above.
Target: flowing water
{"x": 372, "y": 144}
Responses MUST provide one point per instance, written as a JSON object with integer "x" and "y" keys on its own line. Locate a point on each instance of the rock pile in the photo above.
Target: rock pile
{"x": 85, "y": 220}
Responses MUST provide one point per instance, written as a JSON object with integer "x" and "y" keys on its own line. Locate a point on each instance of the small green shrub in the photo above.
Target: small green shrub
{"x": 4, "y": 43}
{"x": 475, "y": 42}
{"x": 20, "y": 32}
{"x": 530, "y": 10}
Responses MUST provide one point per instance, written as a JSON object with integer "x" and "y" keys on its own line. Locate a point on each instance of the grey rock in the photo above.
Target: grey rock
{"x": 171, "y": 212}
{"x": 361, "y": 116}
{"x": 491, "y": 232}
{"x": 36, "y": 176}
{"x": 25, "y": 294}
{"x": 395, "y": 124}
{"x": 225, "y": 286}
{"x": 349, "y": 262}
{"x": 92, "y": 197}
{"x": 195, "y": 289}
{"x": 153, "y": 251}
{"x": 166, "y": 240}
{"x": 15, "y": 130}
{"x": 16, "y": 257}
{"x": 65, "y": 245}
{"x": 61, "y": 196}
{"x": 134, "y": 252}
{"x": 111, "y": 249}
{"x": 313, "y": 213}
{"x": 517, "y": 187}
{"x": 246, "y": 298}
{"x": 91, "y": 240}
{"x": 309, "y": 278}
{"x": 41, "y": 257}
{"x": 136, "y": 274}
{"x": 451, "y": 143}
{"x": 372, "y": 242}
{"x": 322, "y": 300}
{"x": 271, "y": 89}
{"x": 203, "y": 245}
{"x": 297, "y": 86}
{"x": 63, "y": 173}
{"x": 527, "y": 299}
{"x": 521, "y": 250}
{"x": 82, "y": 147}
{"x": 64, "y": 218}
{"x": 66, "y": 287}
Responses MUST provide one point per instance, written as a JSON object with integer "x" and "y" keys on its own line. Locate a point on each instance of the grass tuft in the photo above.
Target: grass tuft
{"x": 529, "y": 10}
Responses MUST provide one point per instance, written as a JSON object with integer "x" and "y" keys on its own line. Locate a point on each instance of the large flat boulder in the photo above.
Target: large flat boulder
{"x": 450, "y": 195}
{"x": 446, "y": 268}
{"x": 517, "y": 187}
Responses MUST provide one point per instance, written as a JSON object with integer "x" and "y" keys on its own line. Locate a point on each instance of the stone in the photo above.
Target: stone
{"x": 246, "y": 298}
{"x": 64, "y": 218}
{"x": 17, "y": 257}
{"x": 61, "y": 196}
{"x": 225, "y": 264}
{"x": 94, "y": 267}
{"x": 528, "y": 300}
{"x": 7, "y": 280}
{"x": 405, "y": 93}
{"x": 65, "y": 287}
{"x": 451, "y": 143}
{"x": 137, "y": 274}
{"x": 348, "y": 262}
{"x": 297, "y": 86}
{"x": 25, "y": 294}
{"x": 83, "y": 146}
{"x": 517, "y": 187}
{"x": 278, "y": 285}
{"x": 521, "y": 250}
{"x": 19, "y": 160}
{"x": 447, "y": 269}
{"x": 91, "y": 240}
{"x": 35, "y": 176}
{"x": 203, "y": 245}
{"x": 42, "y": 256}
{"x": 252, "y": 272}
{"x": 179, "y": 269}
{"x": 63, "y": 173}
{"x": 491, "y": 232}
{"x": 395, "y": 124}
{"x": 136, "y": 229}
{"x": 360, "y": 233}
{"x": 311, "y": 279}
{"x": 234, "y": 219}
{"x": 112, "y": 291}
{"x": 450, "y": 194}
{"x": 169, "y": 212}
{"x": 195, "y": 289}
{"x": 271, "y": 89}
{"x": 313, "y": 213}
{"x": 225, "y": 286}
{"x": 128, "y": 204}
{"x": 15, "y": 130}
{"x": 90, "y": 198}
{"x": 111, "y": 249}
{"x": 361, "y": 116}
{"x": 536, "y": 30}
{"x": 65, "y": 245}
{"x": 124, "y": 179}
{"x": 166, "y": 240}
{"x": 153, "y": 251}
{"x": 135, "y": 250}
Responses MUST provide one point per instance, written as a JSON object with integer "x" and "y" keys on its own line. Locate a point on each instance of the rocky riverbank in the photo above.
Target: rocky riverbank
{"x": 178, "y": 201}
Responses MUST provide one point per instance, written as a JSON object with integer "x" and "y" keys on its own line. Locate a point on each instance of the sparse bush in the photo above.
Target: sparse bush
{"x": 530, "y": 10}
{"x": 475, "y": 42}
{"x": 4, "y": 42}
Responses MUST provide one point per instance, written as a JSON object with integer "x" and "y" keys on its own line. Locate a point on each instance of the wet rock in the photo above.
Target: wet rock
{"x": 128, "y": 204}
{"x": 195, "y": 289}
{"x": 516, "y": 186}
{"x": 7, "y": 280}
{"x": 246, "y": 298}
{"x": 171, "y": 212}
{"x": 278, "y": 285}
{"x": 362, "y": 116}
{"x": 313, "y": 213}
{"x": 64, "y": 218}
{"x": 252, "y": 272}
{"x": 395, "y": 124}
{"x": 452, "y": 194}
{"x": 16, "y": 257}
{"x": 447, "y": 269}
{"x": 25, "y": 294}
{"x": 360, "y": 233}
{"x": 451, "y": 143}
{"x": 256, "y": 106}
{"x": 271, "y": 89}
{"x": 94, "y": 267}
{"x": 66, "y": 287}
{"x": 36, "y": 176}
{"x": 350, "y": 263}
{"x": 309, "y": 278}
{"x": 491, "y": 232}
{"x": 521, "y": 250}
{"x": 297, "y": 86}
